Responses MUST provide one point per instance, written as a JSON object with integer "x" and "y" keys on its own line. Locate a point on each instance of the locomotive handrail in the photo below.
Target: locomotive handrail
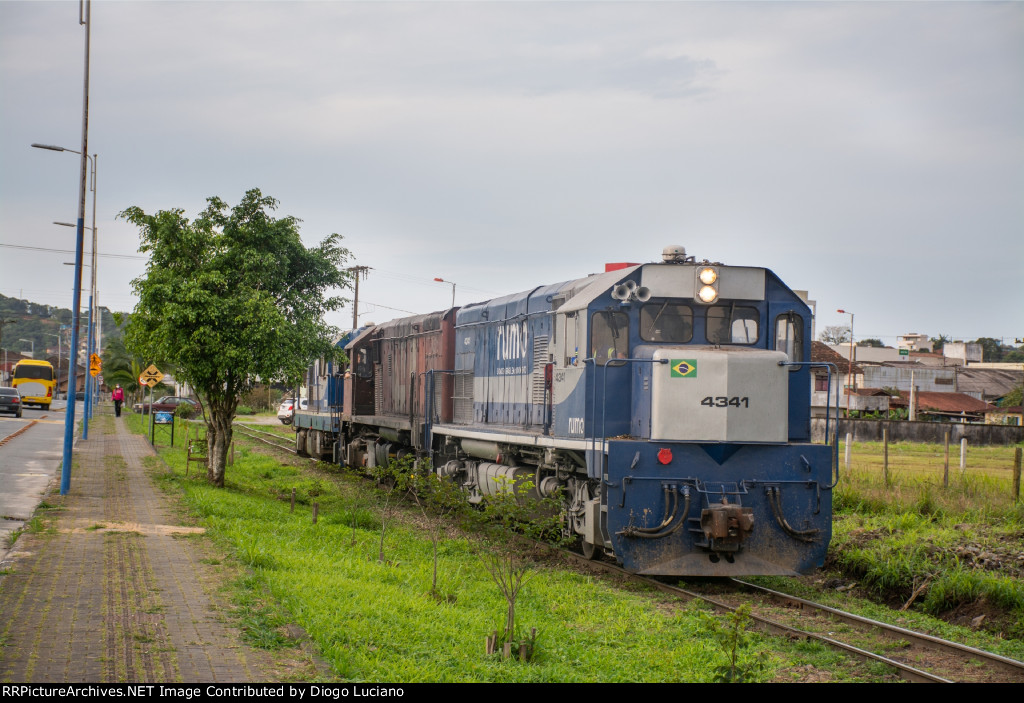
{"x": 828, "y": 405}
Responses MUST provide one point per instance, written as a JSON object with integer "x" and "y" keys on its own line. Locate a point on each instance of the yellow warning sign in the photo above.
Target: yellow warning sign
{"x": 151, "y": 376}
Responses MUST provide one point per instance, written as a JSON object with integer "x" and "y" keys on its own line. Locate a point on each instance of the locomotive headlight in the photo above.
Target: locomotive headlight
{"x": 707, "y": 276}
{"x": 707, "y": 294}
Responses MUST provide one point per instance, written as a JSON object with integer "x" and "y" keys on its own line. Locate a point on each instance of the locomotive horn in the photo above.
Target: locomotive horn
{"x": 631, "y": 285}
{"x": 643, "y": 294}
{"x": 620, "y": 292}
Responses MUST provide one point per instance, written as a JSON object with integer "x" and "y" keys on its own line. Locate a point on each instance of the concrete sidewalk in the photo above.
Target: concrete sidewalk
{"x": 113, "y": 589}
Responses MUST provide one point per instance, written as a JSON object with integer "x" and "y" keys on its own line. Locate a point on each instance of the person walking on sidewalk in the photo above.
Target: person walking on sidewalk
{"x": 118, "y": 397}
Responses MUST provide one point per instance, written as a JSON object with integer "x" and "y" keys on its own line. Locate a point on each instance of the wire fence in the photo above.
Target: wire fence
{"x": 937, "y": 464}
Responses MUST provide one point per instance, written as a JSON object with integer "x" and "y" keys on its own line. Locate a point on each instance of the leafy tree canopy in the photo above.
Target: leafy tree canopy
{"x": 1013, "y": 398}
{"x": 231, "y": 298}
{"x": 991, "y": 349}
{"x": 939, "y": 342}
{"x": 872, "y": 342}
{"x": 834, "y": 334}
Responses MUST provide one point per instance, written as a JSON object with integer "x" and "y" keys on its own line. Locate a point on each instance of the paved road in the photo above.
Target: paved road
{"x": 30, "y": 453}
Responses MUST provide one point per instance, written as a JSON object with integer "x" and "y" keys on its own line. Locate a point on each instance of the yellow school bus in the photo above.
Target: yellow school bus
{"x": 35, "y": 381}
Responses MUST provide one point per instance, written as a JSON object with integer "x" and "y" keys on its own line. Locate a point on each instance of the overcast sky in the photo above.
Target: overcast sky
{"x": 870, "y": 153}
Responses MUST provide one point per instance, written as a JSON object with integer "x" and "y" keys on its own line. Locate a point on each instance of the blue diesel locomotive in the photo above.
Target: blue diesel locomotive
{"x": 669, "y": 403}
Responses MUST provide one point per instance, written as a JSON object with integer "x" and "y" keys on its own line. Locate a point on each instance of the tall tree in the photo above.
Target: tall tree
{"x": 231, "y": 298}
{"x": 991, "y": 349}
{"x": 835, "y": 334}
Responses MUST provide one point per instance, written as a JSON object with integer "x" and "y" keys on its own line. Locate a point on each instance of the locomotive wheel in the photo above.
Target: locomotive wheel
{"x": 591, "y": 551}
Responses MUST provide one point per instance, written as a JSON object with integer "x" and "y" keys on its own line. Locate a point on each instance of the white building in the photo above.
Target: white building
{"x": 914, "y": 342}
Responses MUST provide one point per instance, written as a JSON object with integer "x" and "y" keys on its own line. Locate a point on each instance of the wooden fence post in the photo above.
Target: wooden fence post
{"x": 849, "y": 449}
{"x": 885, "y": 455}
{"x": 945, "y": 469}
{"x": 1017, "y": 453}
{"x": 316, "y": 509}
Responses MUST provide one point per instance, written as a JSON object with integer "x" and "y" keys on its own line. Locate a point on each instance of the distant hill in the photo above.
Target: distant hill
{"x": 40, "y": 324}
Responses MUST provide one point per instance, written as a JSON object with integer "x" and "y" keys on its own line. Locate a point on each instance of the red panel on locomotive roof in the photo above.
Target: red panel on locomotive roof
{"x": 618, "y": 267}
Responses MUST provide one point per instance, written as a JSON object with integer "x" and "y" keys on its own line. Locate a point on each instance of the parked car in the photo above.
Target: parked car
{"x": 10, "y": 401}
{"x": 286, "y": 411}
{"x": 168, "y": 403}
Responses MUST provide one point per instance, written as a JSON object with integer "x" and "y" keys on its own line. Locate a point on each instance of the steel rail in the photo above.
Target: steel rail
{"x": 924, "y": 640}
{"x": 251, "y": 434}
{"x": 905, "y": 671}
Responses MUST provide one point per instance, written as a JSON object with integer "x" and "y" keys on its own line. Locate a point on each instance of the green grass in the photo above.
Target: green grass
{"x": 377, "y": 621}
{"x": 962, "y": 542}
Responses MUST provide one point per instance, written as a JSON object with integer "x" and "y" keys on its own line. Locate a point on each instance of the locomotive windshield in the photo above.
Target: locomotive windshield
{"x": 732, "y": 324}
{"x": 666, "y": 322}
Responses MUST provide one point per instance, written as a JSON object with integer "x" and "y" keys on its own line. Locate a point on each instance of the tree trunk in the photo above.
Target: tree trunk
{"x": 510, "y": 619}
{"x": 218, "y": 439}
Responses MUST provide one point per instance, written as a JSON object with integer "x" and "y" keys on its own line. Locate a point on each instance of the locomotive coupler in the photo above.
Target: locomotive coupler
{"x": 726, "y": 525}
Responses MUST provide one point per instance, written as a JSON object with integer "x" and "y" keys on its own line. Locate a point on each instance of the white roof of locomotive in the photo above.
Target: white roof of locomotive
{"x": 587, "y": 290}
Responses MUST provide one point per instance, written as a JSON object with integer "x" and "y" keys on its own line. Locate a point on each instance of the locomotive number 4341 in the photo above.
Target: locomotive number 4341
{"x": 722, "y": 401}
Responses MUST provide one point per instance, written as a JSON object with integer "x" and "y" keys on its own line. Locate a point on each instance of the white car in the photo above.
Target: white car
{"x": 286, "y": 411}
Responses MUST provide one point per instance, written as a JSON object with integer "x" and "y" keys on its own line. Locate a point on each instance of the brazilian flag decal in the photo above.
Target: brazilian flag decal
{"x": 683, "y": 368}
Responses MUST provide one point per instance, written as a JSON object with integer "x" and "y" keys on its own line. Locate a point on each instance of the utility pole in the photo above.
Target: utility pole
{"x": 356, "y": 271}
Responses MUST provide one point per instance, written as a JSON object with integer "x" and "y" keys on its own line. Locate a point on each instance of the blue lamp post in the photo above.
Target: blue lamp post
{"x": 84, "y": 18}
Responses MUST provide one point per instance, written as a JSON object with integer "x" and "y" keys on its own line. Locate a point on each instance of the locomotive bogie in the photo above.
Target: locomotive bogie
{"x": 666, "y": 404}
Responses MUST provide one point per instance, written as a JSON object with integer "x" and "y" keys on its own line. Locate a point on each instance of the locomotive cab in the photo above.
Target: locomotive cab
{"x": 700, "y": 441}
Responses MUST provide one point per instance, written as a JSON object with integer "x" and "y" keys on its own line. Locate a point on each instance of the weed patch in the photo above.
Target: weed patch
{"x": 945, "y": 550}
{"x": 423, "y": 615}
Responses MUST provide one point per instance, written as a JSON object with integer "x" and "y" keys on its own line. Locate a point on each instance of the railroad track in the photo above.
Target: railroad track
{"x": 915, "y": 656}
{"x": 274, "y": 440}
{"x": 913, "y": 646}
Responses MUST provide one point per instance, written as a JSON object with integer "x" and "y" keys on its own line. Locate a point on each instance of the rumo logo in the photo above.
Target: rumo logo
{"x": 511, "y": 341}
{"x": 576, "y": 425}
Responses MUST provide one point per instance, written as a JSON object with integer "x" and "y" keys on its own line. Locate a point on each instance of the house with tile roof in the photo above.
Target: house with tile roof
{"x": 842, "y": 383}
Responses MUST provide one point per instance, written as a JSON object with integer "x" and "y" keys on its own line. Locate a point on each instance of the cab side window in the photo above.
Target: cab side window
{"x": 610, "y": 336}
{"x": 789, "y": 335}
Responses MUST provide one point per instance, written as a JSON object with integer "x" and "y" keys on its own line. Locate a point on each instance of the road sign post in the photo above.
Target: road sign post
{"x": 150, "y": 377}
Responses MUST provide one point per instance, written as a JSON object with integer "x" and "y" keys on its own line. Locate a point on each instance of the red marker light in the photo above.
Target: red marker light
{"x": 664, "y": 456}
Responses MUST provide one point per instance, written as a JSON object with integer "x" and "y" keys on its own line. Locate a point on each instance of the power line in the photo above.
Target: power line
{"x": 72, "y": 251}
